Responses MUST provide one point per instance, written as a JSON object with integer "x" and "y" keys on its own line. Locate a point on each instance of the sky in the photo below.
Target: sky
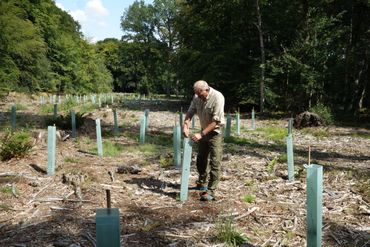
{"x": 99, "y": 19}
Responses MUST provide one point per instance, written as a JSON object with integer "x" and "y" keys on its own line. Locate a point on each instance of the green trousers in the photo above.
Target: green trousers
{"x": 209, "y": 160}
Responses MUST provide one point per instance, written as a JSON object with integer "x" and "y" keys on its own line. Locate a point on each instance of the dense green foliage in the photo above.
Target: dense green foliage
{"x": 15, "y": 144}
{"x": 279, "y": 55}
{"x": 42, "y": 49}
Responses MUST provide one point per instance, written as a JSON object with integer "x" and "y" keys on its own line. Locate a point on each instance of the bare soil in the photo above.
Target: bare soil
{"x": 47, "y": 210}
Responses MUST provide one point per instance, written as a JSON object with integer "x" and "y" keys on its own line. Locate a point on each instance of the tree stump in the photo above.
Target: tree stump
{"x": 307, "y": 119}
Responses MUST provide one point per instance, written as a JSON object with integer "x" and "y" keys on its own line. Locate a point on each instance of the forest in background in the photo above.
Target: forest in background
{"x": 273, "y": 55}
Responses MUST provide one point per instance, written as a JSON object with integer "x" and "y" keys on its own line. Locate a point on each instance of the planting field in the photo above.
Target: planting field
{"x": 256, "y": 203}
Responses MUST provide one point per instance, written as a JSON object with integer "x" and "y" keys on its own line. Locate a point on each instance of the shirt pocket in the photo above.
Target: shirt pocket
{"x": 209, "y": 111}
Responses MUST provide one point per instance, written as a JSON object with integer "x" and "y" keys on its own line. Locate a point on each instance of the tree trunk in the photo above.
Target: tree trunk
{"x": 262, "y": 47}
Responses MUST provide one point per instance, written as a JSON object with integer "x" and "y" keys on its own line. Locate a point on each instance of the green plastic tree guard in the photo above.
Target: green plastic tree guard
{"x": 253, "y": 120}
{"x": 55, "y": 111}
{"x": 98, "y": 138}
{"x": 185, "y": 170}
{"x": 177, "y": 145}
{"x": 142, "y": 130}
{"x": 14, "y": 117}
{"x": 290, "y": 126}
{"x": 146, "y": 113}
{"x": 314, "y": 205}
{"x": 181, "y": 117}
{"x": 238, "y": 123}
{"x": 228, "y": 126}
{"x": 290, "y": 157}
{"x": 115, "y": 119}
{"x": 107, "y": 226}
{"x": 73, "y": 119}
{"x": 51, "y": 150}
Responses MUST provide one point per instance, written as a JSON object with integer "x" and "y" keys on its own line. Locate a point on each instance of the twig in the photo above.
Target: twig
{"x": 128, "y": 235}
{"x": 46, "y": 186}
{"x": 268, "y": 240}
{"x": 175, "y": 236}
{"x": 90, "y": 238}
{"x": 335, "y": 238}
{"x": 274, "y": 216}
{"x": 366, "y": 244}
{"x": 60, "y": 208}
{"x": 14, "y": 191}
{"x": 112, "y": 186}
{"x": 247, "y": 213}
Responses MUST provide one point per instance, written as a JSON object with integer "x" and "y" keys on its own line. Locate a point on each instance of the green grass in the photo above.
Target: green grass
{"x": 66, "y": 105}
{"x": 71, "y": 160}
{"x": 361, "y": 135}
{"x": 147, "y": 149}
{"x": 20, "y": 107}
{"x": 88, "y": 107}
{"x": 110, "y": 149}
{"x": 276, "y": 134}
{"x": 6, "y": 190}
{"x": 249, "y": 198}
{"x": 47, "y": 108}
{"x": 225, "y": 232}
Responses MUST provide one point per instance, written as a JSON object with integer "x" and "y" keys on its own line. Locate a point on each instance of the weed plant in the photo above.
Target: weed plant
{"x": 227, "y": 234}
{"x": 249, "y": 198}
{"x": 15, "y": 144}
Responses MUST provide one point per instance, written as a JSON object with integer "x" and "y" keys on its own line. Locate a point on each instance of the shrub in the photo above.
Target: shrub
{"x": 15, "y": 144}
{"x": 324, "y": 112}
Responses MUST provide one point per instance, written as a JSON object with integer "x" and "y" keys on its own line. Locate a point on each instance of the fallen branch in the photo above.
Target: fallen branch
{"x": 13, "y": 174}
{"x": 54, "y": 199}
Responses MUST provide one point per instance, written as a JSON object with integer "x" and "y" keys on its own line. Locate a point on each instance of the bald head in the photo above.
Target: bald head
{"x": 200, "y": 85}
{"x": 201, "y": 89}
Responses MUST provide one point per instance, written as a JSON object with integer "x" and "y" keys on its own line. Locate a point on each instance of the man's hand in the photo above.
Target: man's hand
{"x": 185, "y": 130}
{"x": 196, "y": 137}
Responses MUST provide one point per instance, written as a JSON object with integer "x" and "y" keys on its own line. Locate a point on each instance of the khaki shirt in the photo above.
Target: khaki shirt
{"x": 210, "y": 110}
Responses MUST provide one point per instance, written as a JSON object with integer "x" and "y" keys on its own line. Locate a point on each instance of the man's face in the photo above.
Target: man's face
{"x": 202, "y": 93}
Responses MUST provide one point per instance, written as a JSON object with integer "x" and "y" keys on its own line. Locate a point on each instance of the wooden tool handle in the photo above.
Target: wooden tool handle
{"x": 108, "y": 198}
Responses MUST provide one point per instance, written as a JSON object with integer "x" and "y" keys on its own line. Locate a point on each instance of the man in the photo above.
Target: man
{"x": 208, "y": 104}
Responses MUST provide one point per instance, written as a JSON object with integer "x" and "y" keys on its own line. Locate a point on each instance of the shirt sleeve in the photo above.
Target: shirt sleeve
{"x": 218, "y": 111}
